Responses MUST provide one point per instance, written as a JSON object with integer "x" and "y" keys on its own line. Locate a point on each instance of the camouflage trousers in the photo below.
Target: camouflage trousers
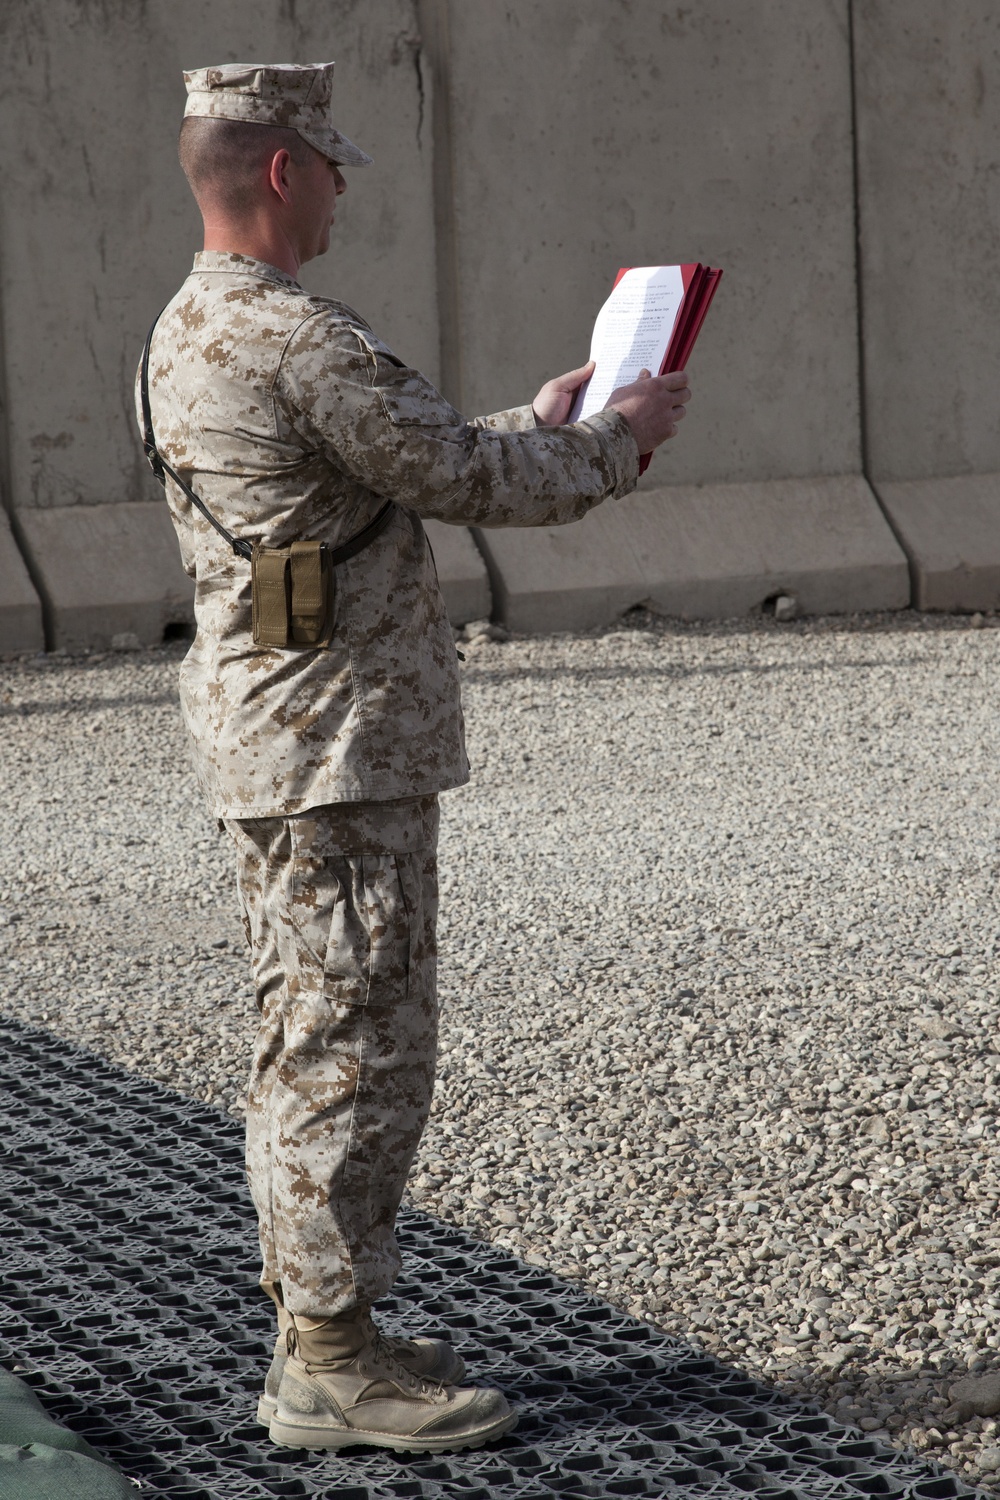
{"x": 340, "y": 908}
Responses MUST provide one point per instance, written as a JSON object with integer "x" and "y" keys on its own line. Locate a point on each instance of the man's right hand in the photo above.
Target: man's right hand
{"x": 653, "y": 406}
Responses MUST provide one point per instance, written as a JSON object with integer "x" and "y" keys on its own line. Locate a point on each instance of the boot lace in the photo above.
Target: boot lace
{"x": 384, "y": 1352}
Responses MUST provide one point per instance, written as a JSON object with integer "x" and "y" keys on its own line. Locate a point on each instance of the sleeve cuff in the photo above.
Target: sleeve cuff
{"x": 619, "y": 448}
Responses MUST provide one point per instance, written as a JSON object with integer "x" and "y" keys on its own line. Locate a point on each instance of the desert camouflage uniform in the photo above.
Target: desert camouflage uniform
{"x": 340, "y": 906}
{"x": 292, "y": 420}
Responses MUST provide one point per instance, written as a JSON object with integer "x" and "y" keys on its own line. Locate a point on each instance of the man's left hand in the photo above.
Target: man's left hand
{"x": 553, "y": 402}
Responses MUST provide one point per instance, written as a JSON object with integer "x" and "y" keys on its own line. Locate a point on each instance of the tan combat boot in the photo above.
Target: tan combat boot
{"x": 428, "y": 1359}
{"x": 343, "y": 1385}
{"x": 268, "y": 1400}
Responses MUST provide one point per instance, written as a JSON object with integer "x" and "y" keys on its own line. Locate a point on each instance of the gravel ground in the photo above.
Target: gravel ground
{"x": 719, "y": 946}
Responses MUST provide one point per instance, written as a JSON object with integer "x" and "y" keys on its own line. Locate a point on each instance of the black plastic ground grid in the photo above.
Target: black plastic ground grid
{"x": 128, "y": 1300}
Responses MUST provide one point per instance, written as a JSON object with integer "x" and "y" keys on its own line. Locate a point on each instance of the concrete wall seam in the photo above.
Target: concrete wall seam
{"x": 866, "y": 467}
{"x": 435, "y": 34}
{"x": 25, "y": 621}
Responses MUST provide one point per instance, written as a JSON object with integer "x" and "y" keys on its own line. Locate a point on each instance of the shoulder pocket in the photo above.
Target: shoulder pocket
{"x": 407, "y": 398}
{"x": 406, "y": 407}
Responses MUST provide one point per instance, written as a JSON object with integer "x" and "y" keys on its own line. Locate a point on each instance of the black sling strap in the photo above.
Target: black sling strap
{"x": 242, "y": 548}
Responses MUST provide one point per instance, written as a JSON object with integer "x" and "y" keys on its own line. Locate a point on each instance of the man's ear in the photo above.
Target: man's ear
{"x": 278, "y": 175}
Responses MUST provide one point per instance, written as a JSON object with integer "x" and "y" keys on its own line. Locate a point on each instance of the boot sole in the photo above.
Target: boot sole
{"x": 327, "y": 1439}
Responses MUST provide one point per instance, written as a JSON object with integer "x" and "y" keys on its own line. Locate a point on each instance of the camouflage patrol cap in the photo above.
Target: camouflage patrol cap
{"x": 296, "y": 96}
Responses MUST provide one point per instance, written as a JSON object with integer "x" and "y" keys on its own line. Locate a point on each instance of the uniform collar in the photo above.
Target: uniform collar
{"x": 229, "y": 261}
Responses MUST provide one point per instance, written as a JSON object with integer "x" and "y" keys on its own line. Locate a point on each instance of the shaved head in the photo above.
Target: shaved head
{"x": 224, "y": 160}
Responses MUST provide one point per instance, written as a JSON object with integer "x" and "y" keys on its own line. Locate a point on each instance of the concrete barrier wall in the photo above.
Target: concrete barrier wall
{"x": 523, "y": 152}
{"x": 97, "y": 227}
{"x": 589, "y": 136}
{"x": 928, "y": 91}
{"x": 928, "y": 82}
{"x": 97, "y": 230}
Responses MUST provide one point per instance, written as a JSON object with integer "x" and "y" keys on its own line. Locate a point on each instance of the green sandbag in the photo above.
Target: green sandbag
{"x": 38, "y": 1472}
{"x": 39, "y": 1460}
{"x": 23, "y": 1420}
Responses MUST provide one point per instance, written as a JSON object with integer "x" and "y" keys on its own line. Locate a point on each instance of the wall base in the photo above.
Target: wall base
{"x": 20, "y": 610}
{"x": 108, "y": 570}
{"x": 950, "y": 529}
{"x": 702, "y": 552}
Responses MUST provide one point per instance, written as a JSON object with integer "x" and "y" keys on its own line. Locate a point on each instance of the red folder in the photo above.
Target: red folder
{"x": 700, "y": 283}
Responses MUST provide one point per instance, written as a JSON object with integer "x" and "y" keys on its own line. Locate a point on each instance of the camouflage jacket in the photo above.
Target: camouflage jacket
{"x": 290, "y": 419}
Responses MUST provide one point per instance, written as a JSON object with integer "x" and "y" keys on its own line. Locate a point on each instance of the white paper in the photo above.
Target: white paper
{"x": 632, "y": 333}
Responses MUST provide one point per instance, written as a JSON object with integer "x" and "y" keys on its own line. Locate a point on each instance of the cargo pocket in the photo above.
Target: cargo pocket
{"x": 418, "y": 879}
{"x": 369, "y": 938}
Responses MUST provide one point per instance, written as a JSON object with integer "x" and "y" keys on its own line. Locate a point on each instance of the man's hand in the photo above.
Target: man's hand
{"x": 653, "y": 406}
{"x": 553, "y": 402}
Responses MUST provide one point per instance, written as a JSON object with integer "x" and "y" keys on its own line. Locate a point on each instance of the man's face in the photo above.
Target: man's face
{"x": 318, "y": 185}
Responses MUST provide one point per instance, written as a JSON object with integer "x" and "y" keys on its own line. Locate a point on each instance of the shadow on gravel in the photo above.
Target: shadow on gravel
{"x": 677, "y": 672}
{"x": 128, "y": 1302}
{"x": 33, "y": 706}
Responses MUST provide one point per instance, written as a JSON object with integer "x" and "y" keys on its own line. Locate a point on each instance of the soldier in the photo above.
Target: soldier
{"x": 322, "y": 696}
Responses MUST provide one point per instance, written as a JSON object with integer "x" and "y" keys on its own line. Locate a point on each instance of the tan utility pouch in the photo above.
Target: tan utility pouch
{"x": 292, "y": 592}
